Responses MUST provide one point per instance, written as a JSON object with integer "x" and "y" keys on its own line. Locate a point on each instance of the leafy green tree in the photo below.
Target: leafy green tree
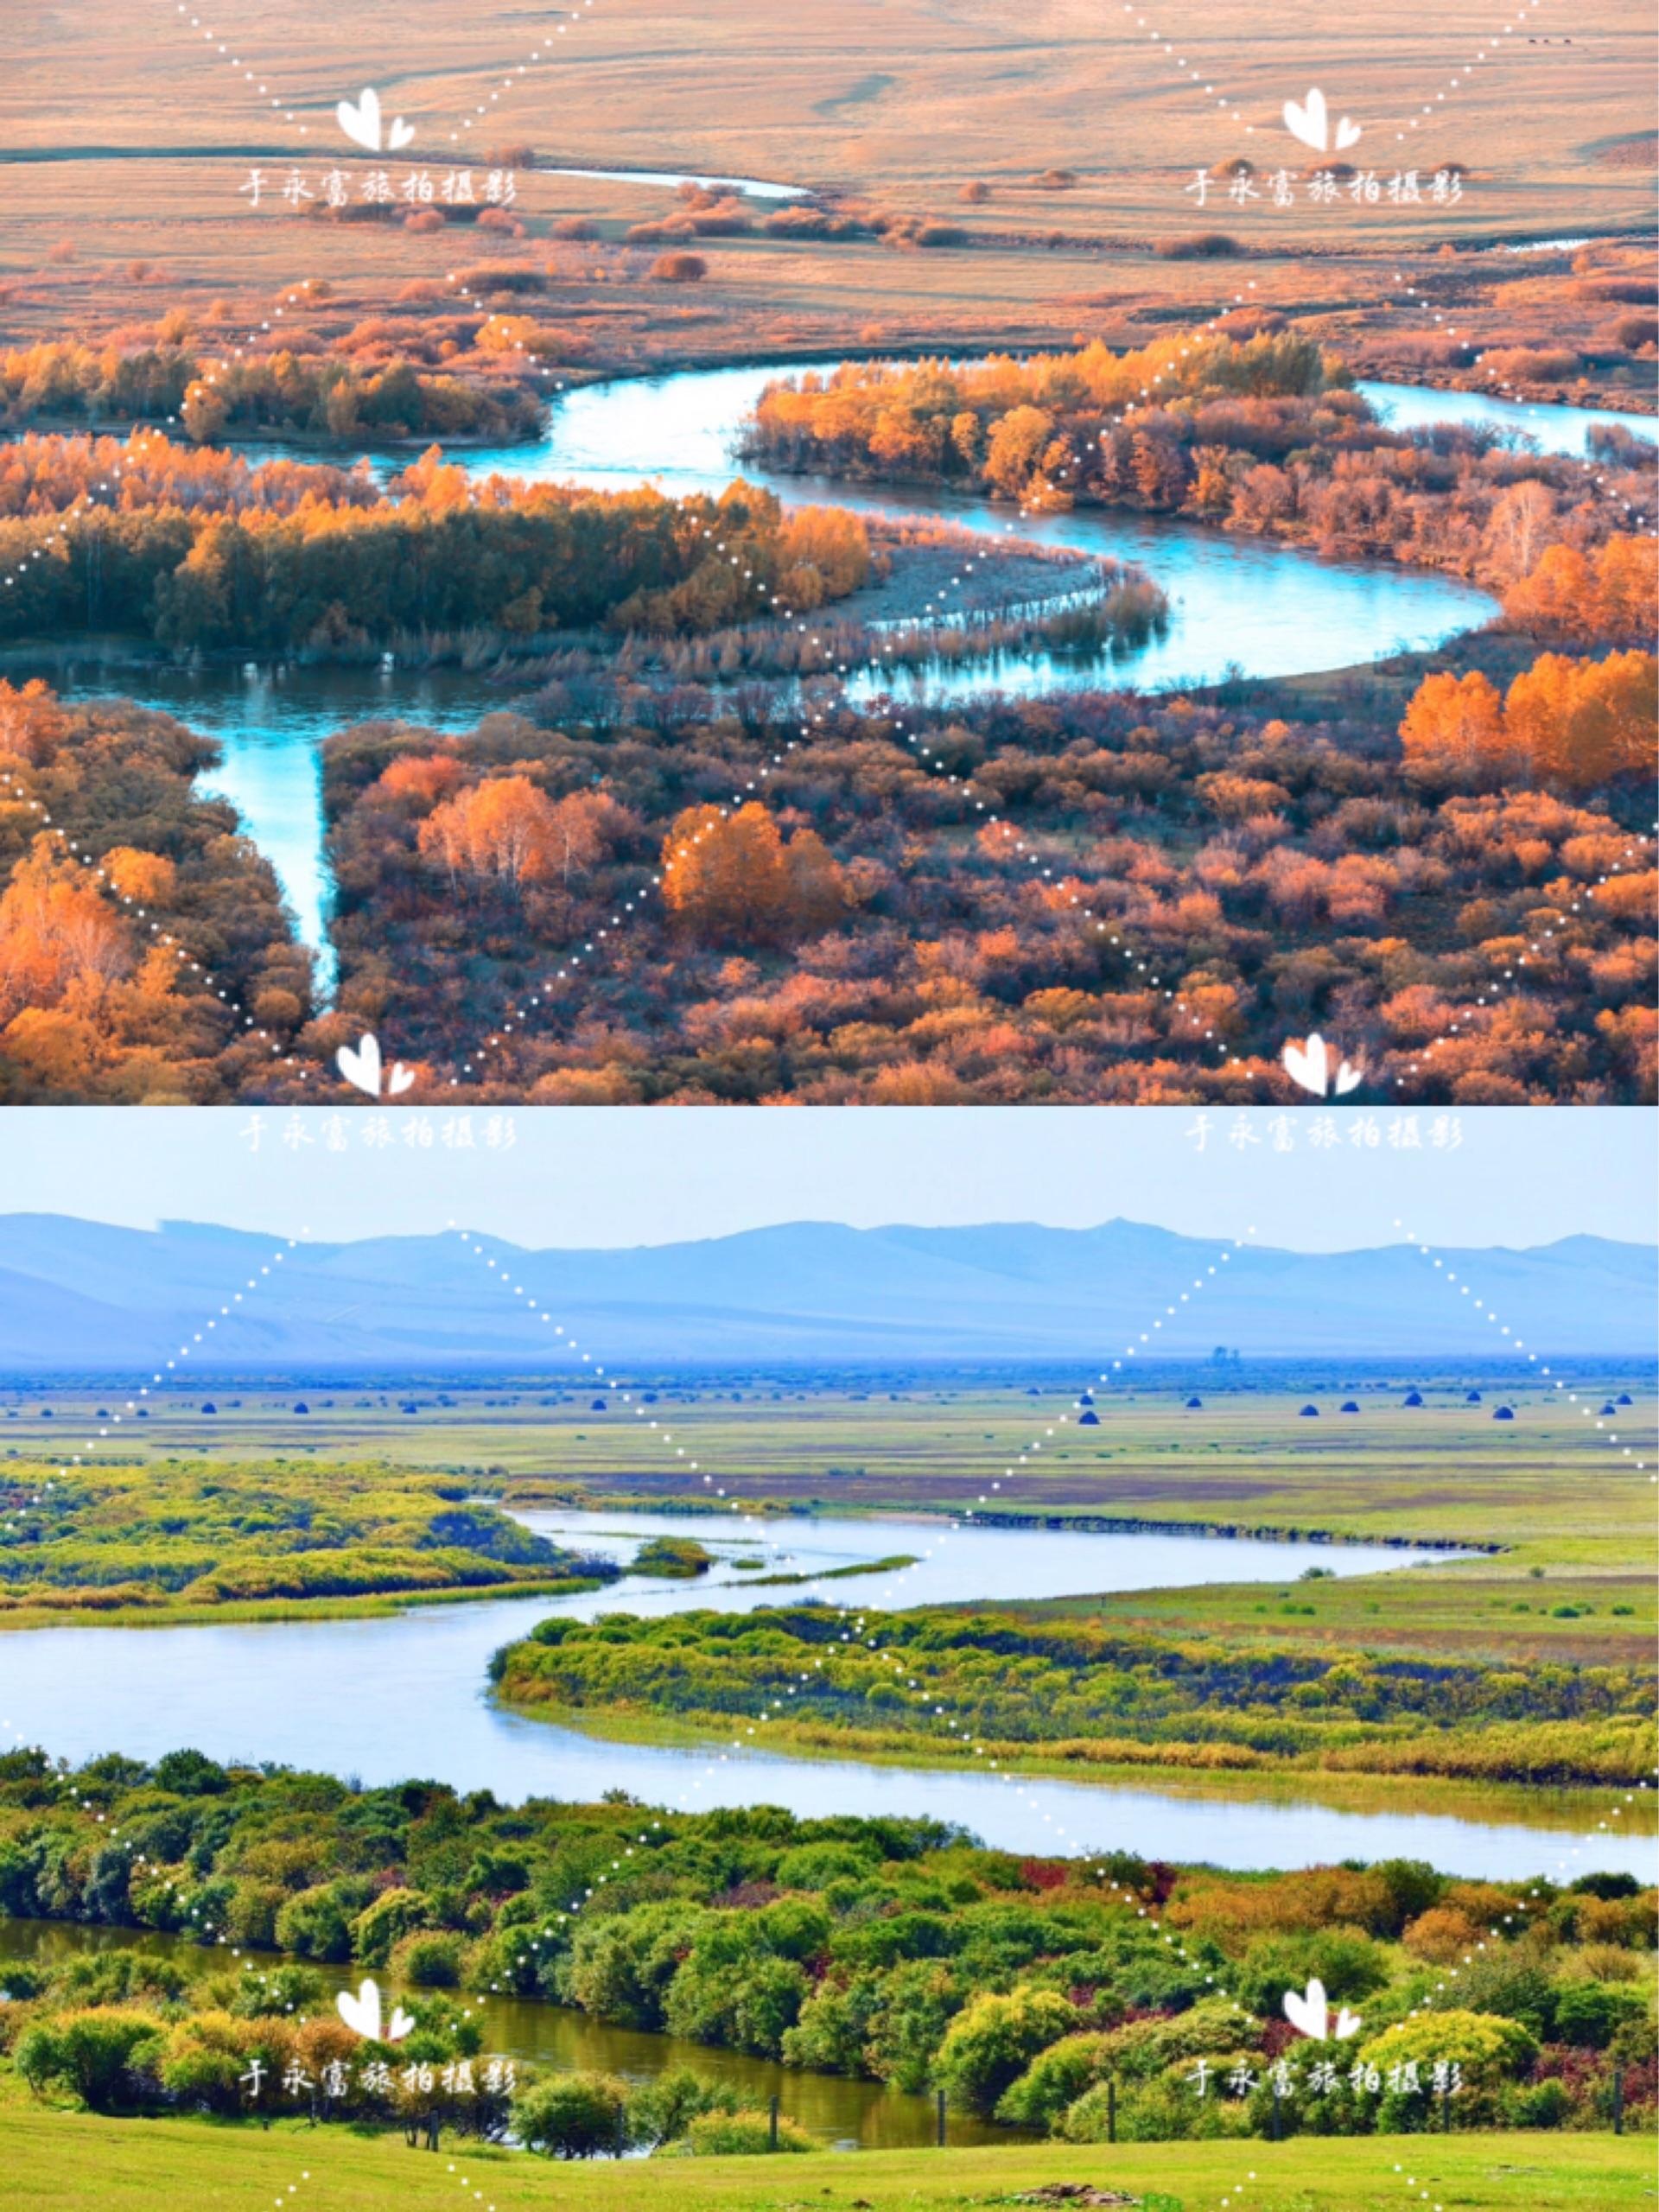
{"x": 662, "y": 2110}
{"x": 315, "y": 1925}
{"x": 620, "y": 1967}
{"x": 993, "y": 2040}
{"x": 94, "y": 2054}
{"x": 573, "y": 2116}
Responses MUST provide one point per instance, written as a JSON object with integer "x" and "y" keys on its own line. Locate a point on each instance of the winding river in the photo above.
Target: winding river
{"x": 406, "y": 1694}
{"x": 1238, "y": 605}
{"x": 382, "y": 1700}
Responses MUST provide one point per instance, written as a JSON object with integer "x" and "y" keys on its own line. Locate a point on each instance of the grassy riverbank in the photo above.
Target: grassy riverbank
{"x": 1572, "y": 1586}
{"x": 1570, "y": 1811}
{"x": 71, "y": 2162}
{"x": 981, "y": 1687}
{"x": 261, "y": 1540}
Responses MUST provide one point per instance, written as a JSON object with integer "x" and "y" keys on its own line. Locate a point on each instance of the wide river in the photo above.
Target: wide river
{"x": 1237, "y": 604}
{"x": 385, "y": 1699}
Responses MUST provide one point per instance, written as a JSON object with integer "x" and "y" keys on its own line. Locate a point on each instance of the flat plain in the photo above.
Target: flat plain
{"x": 67, "y": 2162}
{"x": 1064, "y": 154}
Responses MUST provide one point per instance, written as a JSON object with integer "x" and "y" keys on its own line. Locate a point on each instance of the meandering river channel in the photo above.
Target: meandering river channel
{"x": 1237, "y": 604}
{"x": 386, "y": 1698}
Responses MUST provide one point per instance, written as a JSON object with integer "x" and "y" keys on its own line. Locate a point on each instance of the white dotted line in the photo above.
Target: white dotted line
{"x": 543, "y": 51}
{"x": 1420, "y": 299}
{"x": 1021, "y": 1464}
{"x": 12, "y": 790}
{"x": 1638, "y": 852}
{"x": 1194, "y": 77}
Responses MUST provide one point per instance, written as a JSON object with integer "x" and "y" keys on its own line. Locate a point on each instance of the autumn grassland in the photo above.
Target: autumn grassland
{"x": 1058, "y": 156}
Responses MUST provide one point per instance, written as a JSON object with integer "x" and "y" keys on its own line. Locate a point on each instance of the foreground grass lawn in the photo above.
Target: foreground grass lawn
{"x": 55, "y": 2162}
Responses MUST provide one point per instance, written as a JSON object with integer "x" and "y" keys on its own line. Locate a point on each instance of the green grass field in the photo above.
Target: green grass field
{"x": 64, "y": 2162}
{"x": 1573, "y": 1513}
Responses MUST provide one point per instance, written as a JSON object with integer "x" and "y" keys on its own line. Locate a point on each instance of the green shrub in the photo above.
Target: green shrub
{"x": 573, "y": 2116}
{"x": 1589, "y": 2014}
{"x": 993, "y": 2040}
{"x": 394, "y": 1914}
{"x": 97, "y": 2055}
{"x": 743, "y": 2134}
{"x": 1057, "y": 2077}
{"x": 429, "y": 1959}
{"x": 315, "y": 1925}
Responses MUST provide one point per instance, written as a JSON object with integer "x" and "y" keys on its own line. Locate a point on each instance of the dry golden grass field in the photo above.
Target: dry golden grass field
{"x": 126, "y": 138}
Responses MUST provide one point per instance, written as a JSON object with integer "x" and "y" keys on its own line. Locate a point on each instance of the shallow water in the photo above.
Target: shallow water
{"x": 384, "y": 1698}
{"x": 1552, "y": 430}
{"x": 752, "y": 187}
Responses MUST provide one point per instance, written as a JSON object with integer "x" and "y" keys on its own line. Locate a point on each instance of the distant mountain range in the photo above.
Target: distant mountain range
{"x": 85, "y": 1297}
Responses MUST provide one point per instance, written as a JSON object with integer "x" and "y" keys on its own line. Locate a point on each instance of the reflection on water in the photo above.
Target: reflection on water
{"x": 385, "y": 1699}
{"x": 1238, "y": 604}
{"x": 846, "y": 2114}
{"x": 1552, "y": 430}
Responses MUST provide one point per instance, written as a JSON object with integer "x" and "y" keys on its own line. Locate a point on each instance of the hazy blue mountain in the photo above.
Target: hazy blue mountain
{"x": 83, "y": 1295}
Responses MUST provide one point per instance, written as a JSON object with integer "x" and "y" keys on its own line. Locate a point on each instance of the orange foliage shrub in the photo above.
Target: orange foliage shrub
{"x": 145, "y": 878}
{"x": 1578, "y": 724}
{"x": 1441, "y": 1935}
{"x": 1611, "y": 595}
{"x": 731, "y": 875}
{"x": 425, "y": 778}
{"x": 507, "y": 828}
{"x": 33, "y": 725}
{"x": 1323, "y": 1896}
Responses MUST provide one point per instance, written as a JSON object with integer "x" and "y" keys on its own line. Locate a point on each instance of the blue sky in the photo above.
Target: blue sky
{"x": 625, "y": 1176}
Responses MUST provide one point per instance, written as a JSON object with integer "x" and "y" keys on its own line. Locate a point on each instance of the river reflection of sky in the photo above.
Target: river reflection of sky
{"x": 385, "y": 1699}
{"x": 1238, "y": 605}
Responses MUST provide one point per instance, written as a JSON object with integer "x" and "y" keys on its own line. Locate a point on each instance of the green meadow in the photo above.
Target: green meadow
{"x": 59, "y": 2161}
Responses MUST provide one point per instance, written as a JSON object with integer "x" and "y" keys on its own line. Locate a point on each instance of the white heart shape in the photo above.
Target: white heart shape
{"x": 361, "y": 1068}
{"x": 1311, "y": 1068}
{"x": 401, "y": 2025}
{"x": 1348, "y": 134}
{"x": 1308, "y": 123}
{"x": 401, "y": 132}
{"x": 362, "y": 2011}
{"x": 1309, "y": 2013}
{"x": 1347, "y": 2025}
{"x": 401, "y": 1079}
{"x": 1348, "y": 1078}
{"x": 361, "y": 124}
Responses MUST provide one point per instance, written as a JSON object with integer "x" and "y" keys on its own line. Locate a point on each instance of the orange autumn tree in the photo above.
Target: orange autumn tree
{"x": 56, "y": 932}
{"x": 1454, "y": 721}
{"x": 1609, "y": 596}
{"x": 507, "y": 828}
{"x": 823, "y": 553}
{"x": 1581, "y": 723}
{"x": 501, "y": 828}
{"x": 732, "y": 876}
{"x": 1575, "y": 724}
{"x": 32, "y": 726}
